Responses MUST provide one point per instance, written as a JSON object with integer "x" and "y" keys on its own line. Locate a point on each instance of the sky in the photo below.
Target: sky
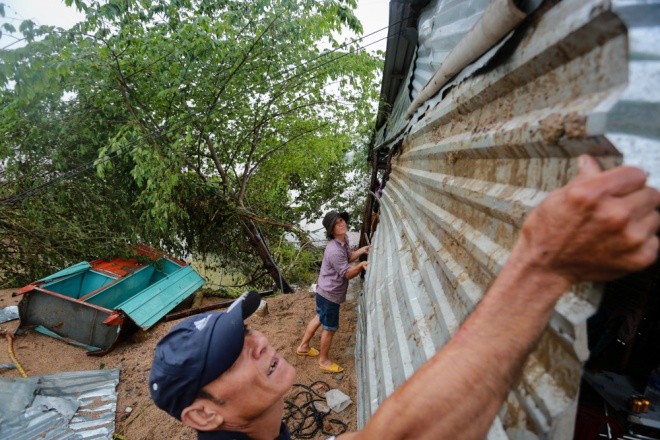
{"x": 372, "y": 13}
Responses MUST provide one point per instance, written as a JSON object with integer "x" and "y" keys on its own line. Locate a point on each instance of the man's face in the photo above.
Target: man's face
{"x": 339, "y": 227}
{"x": 255, "y": 382}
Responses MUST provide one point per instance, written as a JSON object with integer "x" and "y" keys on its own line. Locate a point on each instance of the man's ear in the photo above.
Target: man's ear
{"x": 202, "y": 415}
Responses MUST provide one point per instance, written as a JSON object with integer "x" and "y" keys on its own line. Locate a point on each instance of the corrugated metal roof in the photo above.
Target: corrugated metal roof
{"x": 86, "y": 402}
{"x": 441, "y": 26}
{"x": 474, "y": 164}
{"x": 401, "y": 40}
{"x": 397, "y": 121}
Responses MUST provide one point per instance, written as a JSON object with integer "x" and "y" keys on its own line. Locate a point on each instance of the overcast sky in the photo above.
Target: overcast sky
{"x": 372, "y": 13}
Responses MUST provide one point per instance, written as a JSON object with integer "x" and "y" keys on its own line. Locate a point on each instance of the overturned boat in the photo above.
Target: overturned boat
{"x": 94, "y": 304}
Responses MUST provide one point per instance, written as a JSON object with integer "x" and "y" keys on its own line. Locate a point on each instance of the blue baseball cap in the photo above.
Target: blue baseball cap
{"x": 197, "y": 351}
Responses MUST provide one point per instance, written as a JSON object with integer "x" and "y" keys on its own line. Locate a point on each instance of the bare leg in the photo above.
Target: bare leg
{"x": 309, "y": 334}
{"x": 326, "y": 341}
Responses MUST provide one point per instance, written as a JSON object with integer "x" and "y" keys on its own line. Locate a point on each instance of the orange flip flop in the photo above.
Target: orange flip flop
{"x": 334, "y": 368}
{"x": 312, "y": 352}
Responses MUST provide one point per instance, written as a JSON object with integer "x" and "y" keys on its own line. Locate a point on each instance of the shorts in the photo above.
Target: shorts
{"x": 328, "y": 313}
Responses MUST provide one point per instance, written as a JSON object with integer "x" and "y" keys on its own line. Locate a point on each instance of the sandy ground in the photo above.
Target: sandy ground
{"x": 288, "y": 315}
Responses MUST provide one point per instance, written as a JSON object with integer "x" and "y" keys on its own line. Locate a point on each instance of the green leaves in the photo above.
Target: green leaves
{"x": 207, "y": 115}
{"x": 80, "y": 5}
{"x": 26, "y": 27}
{"x": 110, "y": 10}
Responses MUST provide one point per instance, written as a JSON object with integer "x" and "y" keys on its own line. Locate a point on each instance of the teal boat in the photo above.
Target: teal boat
{"x": 95, "y": 304}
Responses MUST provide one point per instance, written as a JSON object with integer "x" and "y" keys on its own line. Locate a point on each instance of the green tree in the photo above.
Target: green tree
{"x": 236, "y": 117}
{"x": 54, "y": 210}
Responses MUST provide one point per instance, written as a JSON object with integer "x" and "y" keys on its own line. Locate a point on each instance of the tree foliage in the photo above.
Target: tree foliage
{"x": 215, "y": 125}
{"x": 46, "y": 219}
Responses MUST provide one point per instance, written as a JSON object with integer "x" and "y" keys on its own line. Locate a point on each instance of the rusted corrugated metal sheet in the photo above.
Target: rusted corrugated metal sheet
{"x": 473, "y": 163}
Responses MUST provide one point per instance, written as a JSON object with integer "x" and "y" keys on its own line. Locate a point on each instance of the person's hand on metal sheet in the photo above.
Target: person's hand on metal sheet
{"x": 598, "y": 227}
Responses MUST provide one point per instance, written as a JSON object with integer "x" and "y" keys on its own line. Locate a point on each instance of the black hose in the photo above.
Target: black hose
{"x": 303, "y": 418}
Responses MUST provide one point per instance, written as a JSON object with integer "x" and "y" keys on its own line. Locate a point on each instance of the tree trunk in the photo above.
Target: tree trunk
{"x": 258, "y": 243}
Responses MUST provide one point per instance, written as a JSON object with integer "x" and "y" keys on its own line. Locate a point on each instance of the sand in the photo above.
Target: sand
{"x": 137, "y": 418}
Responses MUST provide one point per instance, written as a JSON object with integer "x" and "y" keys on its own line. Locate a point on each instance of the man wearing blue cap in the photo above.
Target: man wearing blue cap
{"x": 220, "y": 378}
{"x": 229, "y": 384}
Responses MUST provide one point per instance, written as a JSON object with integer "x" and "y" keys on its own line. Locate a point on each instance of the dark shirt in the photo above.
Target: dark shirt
{"x": 228, "y": 435}
{"x": 333, "y": 284}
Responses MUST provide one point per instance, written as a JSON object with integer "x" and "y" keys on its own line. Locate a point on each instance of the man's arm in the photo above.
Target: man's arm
{"x": 598, "y": 227}
{"x": 355, "y": 270}
{"x": 357, "y": 253}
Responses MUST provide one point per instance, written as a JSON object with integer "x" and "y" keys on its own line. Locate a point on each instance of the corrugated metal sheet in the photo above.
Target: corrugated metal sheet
{"x": 76, "y": 268}
{"x": 576, "y": 77}
{"x": 401, "y": 40}
{"x": 441, "y": 27}
{"x": 8, "y": 313}
{"x": 633, "y": 125}
{"x": 151, "y": 304}
{"x": 397, "y": 122}
{"x": 90, "y": 395}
